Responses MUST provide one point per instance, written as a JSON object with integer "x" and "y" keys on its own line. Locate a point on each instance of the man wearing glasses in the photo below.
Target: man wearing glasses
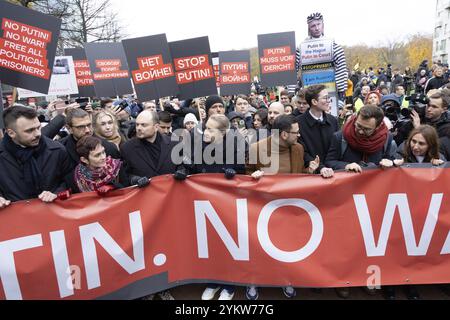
{"x": 279, "y": 154}
{"x": 317, "y": 128}
{"x": 79, "y": 124}
{"x": 365, "y": 141}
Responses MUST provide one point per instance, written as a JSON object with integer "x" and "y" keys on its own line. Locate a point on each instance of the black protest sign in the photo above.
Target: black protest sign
{"x": 151, "y": 67}
{"x": 277, "y": 59}
{"x": 28, "y": 41}
{"x": 234, "y": 72}
{"x": 193, "y": 68}
{"x": 2, "y": 125}
{"x": 109, "y": 69}
{"x": 83, "y": 72}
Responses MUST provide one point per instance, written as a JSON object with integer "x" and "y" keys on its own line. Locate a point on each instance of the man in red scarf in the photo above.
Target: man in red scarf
{"x": 365, "y": 141}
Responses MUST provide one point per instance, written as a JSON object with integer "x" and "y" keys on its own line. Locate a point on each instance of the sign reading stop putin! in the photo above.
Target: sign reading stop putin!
{"x": 109, "y": 69}
{"x": 277, "y": 59}
{"x": 234, "y": 72}
{"x": 193, "y": 67}
{"x": 151, "y": 67}
{"x": 28, "y": 42}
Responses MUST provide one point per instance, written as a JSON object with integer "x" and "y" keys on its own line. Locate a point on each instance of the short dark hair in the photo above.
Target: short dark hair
{"x": 312, "y": 93}
{"x": 284, "y": 93}
{"x": 165, "y": 116}
{"x": 284, "y": 123}
{"x": 87, "y": 144}
{"x": 75, "y": 113}
{"x": 11, "y": 115}
{"x": 243, "y": 97}
{"x": 370, "y": 111}
{"x": 104, "y": 102}
{"x": 263, "y": 114}
{"x": 442, "y": 95}
{"x": 397, "y": 86}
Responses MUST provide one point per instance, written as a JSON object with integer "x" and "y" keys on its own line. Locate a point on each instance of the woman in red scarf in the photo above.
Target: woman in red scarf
{"x": 97, "y": 172}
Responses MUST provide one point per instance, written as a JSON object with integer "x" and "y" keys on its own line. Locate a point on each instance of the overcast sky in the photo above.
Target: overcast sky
{"x": 235, "y": 24}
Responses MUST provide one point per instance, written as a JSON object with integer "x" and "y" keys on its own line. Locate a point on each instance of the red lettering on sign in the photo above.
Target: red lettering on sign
{"x": 23, "y": 48}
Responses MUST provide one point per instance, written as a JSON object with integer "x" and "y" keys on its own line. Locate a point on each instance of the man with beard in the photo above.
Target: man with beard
{"x": 31, "y": 165}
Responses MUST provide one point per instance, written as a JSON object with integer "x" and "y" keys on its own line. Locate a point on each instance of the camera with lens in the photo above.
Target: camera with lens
{"x": 391, "y": 110}
{"x": 83, "y": 102}
{"x": 418, "y": 103}
{"x": 122, "y": 104}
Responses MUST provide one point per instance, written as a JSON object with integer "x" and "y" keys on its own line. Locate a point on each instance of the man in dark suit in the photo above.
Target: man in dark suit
{"x": 149, "y": 154}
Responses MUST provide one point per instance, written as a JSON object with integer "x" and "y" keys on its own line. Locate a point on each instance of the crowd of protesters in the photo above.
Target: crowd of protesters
{"x": 386, "y": 118}
{"x": 52, "y": 151}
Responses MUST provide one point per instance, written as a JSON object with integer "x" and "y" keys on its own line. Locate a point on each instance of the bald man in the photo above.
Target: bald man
{"x": 276, "y": 109}
{"x": 149, "y": 154}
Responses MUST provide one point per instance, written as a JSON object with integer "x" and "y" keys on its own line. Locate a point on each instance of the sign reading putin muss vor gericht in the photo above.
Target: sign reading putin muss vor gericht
{"x": 28, "y": 41}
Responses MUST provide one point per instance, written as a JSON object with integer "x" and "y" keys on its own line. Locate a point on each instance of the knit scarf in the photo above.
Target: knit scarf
{"x": 28, "y": 158}
{"x": 89, "y": 180}
{"x": 366, "y": 145}
{"x": 117, "y": 139}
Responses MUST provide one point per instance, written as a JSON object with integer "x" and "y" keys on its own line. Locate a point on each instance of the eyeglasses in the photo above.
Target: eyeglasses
{"x": 326, "y": 98}
{"x": 297, "y": 133}
{"x": 87, "y": 126}
{"x": 365, "y": 130}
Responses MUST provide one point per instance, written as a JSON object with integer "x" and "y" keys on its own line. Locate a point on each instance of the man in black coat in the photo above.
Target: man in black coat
{"x": 364, "y": 141}
{"x": 79, "y": 124}
{"x": 317, "y": 127}
{"x": 149, "y": 154}
{"x": 437, "y": 112}
{"x": 31, "y": 165}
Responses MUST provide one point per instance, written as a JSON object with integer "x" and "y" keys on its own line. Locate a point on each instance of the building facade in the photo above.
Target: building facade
{"x": 441, "y": 38}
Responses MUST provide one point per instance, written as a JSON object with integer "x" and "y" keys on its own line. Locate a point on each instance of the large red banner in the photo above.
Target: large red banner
{"x": 390, "y": 227}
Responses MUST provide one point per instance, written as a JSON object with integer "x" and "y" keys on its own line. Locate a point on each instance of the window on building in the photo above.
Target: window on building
{"x": 443, "y": 45}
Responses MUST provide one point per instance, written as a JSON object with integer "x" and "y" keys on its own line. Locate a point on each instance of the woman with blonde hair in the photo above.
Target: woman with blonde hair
{"x": 106, "y": 127}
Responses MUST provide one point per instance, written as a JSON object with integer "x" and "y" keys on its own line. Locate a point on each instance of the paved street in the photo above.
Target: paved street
{"x": 194, "y": 292}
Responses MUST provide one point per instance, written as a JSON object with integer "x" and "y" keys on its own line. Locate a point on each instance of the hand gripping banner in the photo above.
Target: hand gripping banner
{"x": 379, "y": 228}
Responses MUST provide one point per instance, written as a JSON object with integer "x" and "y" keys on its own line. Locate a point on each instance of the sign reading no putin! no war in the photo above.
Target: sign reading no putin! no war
{"x": 193, "y": 68}
{"x": 83, "y": 72}
{"x": 234, "y": 72}
{"x": 151, "y": 67}
{"x": 109, "y": 69}
{"x": 28, "y": 42}
{"x": 277, "y": 59}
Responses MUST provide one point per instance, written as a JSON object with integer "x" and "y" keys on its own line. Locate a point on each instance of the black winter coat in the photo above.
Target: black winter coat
{"x": 54, "y": 163}
{"x": 316, "y": 137}
{"x": 338, "y": 159}
{"x": 235, "y": 148}
{"x": 139, "y": 163}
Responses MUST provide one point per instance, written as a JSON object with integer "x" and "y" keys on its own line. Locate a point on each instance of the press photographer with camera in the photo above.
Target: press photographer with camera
{"x": 404, "y": 120}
